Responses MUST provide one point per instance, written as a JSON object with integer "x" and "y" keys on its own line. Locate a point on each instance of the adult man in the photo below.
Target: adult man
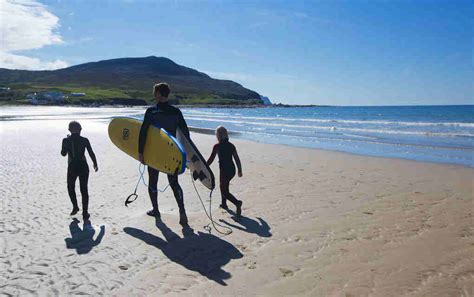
{"x": 169, "y": 118}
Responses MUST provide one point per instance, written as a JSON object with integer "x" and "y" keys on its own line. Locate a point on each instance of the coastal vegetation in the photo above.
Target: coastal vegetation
{"x": 129, "y": 79}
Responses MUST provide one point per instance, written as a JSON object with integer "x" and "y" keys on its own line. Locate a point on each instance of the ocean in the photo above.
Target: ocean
{"x": 442, "y": 134}
{"x": 425, "y": 133}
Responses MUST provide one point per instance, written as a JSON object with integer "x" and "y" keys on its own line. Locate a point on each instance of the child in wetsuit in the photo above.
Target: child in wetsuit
{"x": 74, "y": 146}
{"x": 226, "y": 150}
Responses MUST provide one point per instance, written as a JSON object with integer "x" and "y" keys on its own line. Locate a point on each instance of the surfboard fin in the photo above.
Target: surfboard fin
{"x": 201, "y": 175}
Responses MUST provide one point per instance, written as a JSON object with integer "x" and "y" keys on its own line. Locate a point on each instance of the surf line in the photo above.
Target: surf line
{"x": 134, "y": 196}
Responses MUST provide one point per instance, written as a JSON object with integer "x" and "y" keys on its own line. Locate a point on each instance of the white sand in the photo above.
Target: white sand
{"x": 315, "y": 223}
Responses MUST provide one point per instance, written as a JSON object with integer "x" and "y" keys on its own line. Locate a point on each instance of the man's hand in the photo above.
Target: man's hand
{"x": 96, "y": 168}
{"x": 141, "y": 159}
{"x": 240, "y": 174}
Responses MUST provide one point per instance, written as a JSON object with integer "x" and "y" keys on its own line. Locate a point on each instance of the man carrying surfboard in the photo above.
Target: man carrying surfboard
{"x": 169, "y": 118}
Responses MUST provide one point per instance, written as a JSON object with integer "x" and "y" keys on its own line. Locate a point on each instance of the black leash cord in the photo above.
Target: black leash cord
{"x": 214, "y": 223}
{"x": 132, "y": 197}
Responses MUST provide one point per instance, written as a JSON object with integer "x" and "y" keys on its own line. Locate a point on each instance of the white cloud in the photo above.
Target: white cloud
{"x": 12, "y": 61}
{"x": 27, "y": 25}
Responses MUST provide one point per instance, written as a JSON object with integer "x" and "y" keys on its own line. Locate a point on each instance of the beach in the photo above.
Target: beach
{"x": 315, "y": 223}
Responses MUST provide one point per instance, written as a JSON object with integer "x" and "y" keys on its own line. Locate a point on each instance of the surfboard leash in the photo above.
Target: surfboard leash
{"x": 132, "y": 197}
{"x": 209, "y": 215}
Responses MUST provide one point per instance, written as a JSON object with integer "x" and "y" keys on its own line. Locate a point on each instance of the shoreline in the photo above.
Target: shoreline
{"x": 356, "y": 154}
{"x": 95, "y": 105}
{"x": 208, "y": 131}
{"x": 273, "y": 105}
{"x": 242, "y": 135}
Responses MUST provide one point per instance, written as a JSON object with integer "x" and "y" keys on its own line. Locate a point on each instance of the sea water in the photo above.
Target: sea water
{"x": 425, "y": 133}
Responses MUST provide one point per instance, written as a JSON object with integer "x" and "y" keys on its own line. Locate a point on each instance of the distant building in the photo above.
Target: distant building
{"x": 46, "y": 98}
{"x": 265, "y": 100}
{"x": 78, "y": 94}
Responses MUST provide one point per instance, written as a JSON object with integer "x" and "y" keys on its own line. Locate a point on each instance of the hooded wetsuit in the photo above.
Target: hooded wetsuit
{"x": 169, "y": 118}
{"x": 74, "y": 147}
{"x": 226, "y": 150}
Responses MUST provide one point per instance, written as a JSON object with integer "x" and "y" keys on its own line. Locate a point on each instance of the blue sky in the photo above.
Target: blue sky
{"x": 306, "y": 52}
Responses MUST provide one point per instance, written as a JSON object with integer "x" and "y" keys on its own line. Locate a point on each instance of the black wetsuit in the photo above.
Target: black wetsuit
{"x": 226, "y": 150}
{"x": 169, "y": 118}
{"x": 75, "y": 146}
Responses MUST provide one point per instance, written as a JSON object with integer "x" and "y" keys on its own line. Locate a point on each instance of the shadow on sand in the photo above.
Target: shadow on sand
{"x": 201, "y": 252}
{"x": 259, "y": 226}
{"x": 82, "y": 240}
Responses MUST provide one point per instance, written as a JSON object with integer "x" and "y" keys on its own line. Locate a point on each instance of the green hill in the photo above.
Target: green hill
{"x": 127, "y": 78}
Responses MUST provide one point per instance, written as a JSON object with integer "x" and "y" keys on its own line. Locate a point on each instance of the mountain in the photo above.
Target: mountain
{"x": 132, "y": 78}
{"x": 265, "y": 100}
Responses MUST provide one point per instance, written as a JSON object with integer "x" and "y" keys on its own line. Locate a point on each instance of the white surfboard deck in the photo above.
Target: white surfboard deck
{"x": 195, "y": 161}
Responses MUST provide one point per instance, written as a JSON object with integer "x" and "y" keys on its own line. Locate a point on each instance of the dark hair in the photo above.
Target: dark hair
{"x": 162, "y": 88}
{"x": 74, "y": 127}
{"x": 221, "y": 133}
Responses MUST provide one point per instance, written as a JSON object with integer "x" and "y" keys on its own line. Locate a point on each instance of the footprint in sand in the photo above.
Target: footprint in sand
{"x": 252, "y": 265}
{"x": 241, "y": 247}
{"x": 286, "y": 272}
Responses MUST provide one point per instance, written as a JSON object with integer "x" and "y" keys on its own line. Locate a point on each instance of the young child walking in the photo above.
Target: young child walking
{"x": 74, "y": 147}
{"x": 226, "y": 150}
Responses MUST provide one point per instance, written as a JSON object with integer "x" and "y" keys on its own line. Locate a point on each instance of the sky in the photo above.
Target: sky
{"x": 296, "y": 52}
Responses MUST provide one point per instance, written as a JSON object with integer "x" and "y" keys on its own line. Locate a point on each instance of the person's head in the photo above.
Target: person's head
{"x": 75, "y": 127}
{"x": 161, "y": 92}
{"x": 221, "y": 134}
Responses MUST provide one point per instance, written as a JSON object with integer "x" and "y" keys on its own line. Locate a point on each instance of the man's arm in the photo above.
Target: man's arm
{"x": 182, "y": 125}
{"x": 143, "y": 132}
{"x": 91, "y": 154}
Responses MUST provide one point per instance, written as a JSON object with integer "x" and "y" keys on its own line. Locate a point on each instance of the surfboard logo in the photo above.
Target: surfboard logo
{"x": 125, "y": 133}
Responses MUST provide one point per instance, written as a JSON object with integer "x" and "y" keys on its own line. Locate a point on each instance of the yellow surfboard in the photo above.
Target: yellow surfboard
{"x": 162, "y": 151}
